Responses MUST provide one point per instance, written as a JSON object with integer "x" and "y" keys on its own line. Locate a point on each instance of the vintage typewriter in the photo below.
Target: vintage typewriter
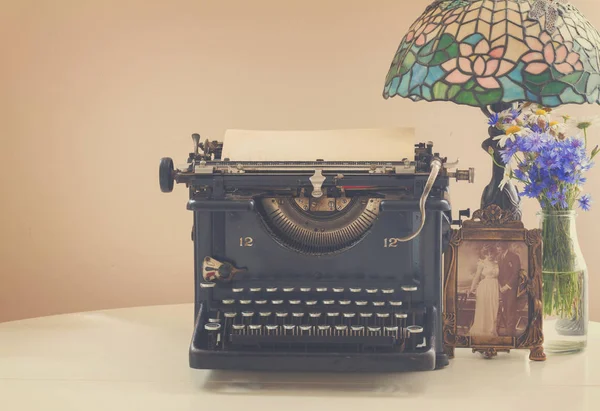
{"x": 317, "y": 265}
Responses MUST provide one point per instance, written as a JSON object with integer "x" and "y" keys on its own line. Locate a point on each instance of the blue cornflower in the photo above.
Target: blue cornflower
{"x": 552, "y": 188}
{"x": 576, "y": 143}
{"x": 533, "y": 142}
{"x": 536, "y": 129}
{"x": 494, "y": 119}
{"x": 520, "y": 174}
{"x": 585, "y": 202}
{"x": 532, "y": 190}
{"x": 558, "y": 198}
{"x": 561, "y": 199}
{"x": 509, "y": 151}
{"x": 549, "y": 161}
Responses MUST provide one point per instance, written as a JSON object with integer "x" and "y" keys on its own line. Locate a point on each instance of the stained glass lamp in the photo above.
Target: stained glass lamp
{"x": 493, "y": 53}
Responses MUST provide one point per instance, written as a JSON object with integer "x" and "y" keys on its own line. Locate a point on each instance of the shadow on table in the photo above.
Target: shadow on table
{"x": 326, "y": 384}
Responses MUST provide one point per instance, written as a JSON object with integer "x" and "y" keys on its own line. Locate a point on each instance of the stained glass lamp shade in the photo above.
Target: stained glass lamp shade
{"x": 490, "y": 53}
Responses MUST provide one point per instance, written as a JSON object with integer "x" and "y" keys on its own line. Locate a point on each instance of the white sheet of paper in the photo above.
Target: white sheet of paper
{"x": 393, "y": 144}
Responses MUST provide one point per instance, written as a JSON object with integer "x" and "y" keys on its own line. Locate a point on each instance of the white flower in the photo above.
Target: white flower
{"x": 511, "y": 133}
{"x": 586, "y": 122}
{"x": 507, "y": 176}
{"x": 537, "y": 116}
{"x": 558, "y": 127}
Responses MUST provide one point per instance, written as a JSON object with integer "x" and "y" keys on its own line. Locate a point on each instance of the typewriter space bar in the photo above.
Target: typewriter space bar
{"x": 374, "y": 341}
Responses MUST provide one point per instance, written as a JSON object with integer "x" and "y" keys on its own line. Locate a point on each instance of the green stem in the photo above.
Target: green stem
{"x": 562, "y": 276}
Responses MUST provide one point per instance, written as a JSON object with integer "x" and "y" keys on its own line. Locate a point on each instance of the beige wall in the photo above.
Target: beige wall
{"x": 95, "y": 93}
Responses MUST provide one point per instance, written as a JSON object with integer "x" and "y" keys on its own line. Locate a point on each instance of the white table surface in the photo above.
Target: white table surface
{"x": 137, "y": 359}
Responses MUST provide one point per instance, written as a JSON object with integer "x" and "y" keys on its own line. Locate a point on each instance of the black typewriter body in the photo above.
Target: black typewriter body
{"x": 307, "y": 266}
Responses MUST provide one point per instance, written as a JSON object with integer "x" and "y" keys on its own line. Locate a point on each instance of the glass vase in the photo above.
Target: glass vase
{"x": 564, "y": 284}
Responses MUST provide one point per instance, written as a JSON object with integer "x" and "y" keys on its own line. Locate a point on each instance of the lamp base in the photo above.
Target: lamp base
{"x": 508, "y": 197}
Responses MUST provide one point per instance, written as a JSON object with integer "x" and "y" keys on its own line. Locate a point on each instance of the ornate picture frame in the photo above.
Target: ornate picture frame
{"x": 487, "y": 258}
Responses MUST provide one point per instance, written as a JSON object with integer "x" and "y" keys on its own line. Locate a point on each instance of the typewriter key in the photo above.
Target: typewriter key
{"x": 409, "y": 288}
{"x": 245, "y": 302}
{"x": 382, "y": 318}
{"x": 387, "y": 291}
{"x": 378, "y": 303}
{"x": 295, "y": 302}
{"x": 341, "y": 330}
{"x": 271, "y": 289}
{"x": 237, "y": 290}
{"x": 264, "y": 317}
{"x": 357, "y": 330}
{"x": 207, "y": 285}
{"x": 345, "y": 302}
{"x": 371, "y": 290}
{"x": 361, "y": 303}
{"x": 260, "y": 302}
{"x": 315, "y": 316}
{"x": 322, "y": 289}
{"x": 228, "y": 302}
{"x": 255, "y": 329}
{"x": 338, "y": 290}
{"x": 247, "y": 317}
{"x": 229, "y": 316}
{"x": 332, "y": 318}
{"x": 374, "y": 330}
{"x": 324, "y": 329}
{"x": 255, "y": 290}
{"x": 281, "y": 316}
{"x": 289, "y": 329}
{"x": 395, "y": 303}
{"x": 311, "y": 303}
{"x": 355, "y": 290}
{"x": 272, "y": 329}
{"x": 288, "y": 289}
{"x": 413, "y": 332}
{"x": 329, "y": 302}
{"x": 213, "y": 338}
{"x": 277, "y": 302}
{"x": 297, "y": 318}
{"x": 305, "y": 289}
{"x": 399, "y": 318}
{"x": 365, "y": 318}
{"x": 392, "y": 331}
{"x": 348, "y": 318}
{"x": 238, "y": 328}
{"x": 305, "y": 329}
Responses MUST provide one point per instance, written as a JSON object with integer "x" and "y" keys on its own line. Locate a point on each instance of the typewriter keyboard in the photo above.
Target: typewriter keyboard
{"x": 319, "y": 319}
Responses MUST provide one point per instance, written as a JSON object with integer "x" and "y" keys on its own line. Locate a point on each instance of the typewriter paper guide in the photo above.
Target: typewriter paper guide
{"x": 394, "y": 144}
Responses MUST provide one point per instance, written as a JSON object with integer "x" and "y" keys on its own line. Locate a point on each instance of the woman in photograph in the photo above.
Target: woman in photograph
{"x": 487, "y": 294}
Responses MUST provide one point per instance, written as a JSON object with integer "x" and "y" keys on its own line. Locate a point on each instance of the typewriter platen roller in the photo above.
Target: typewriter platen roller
{"x": 317, "y": 265}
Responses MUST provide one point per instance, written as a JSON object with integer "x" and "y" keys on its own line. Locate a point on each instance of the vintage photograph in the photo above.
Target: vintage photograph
{"x": 488, "y": 278}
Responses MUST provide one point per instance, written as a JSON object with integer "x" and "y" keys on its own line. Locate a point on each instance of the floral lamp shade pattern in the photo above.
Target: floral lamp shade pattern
{"x": 482, "y": 52}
